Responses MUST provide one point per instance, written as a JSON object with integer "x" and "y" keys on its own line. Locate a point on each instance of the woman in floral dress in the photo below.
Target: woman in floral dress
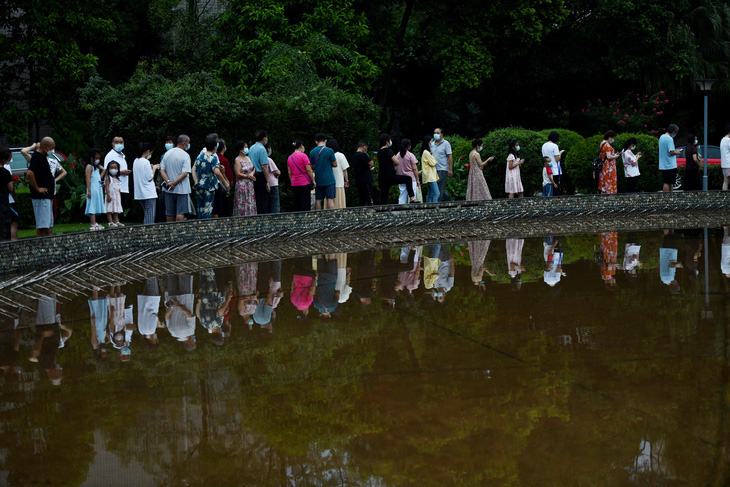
{"x": 206, "y": 174}
{"x": 609, "y": 249}
{"x": 244, "y": 200}
{"x": 607, "y": 183}
{"x": 476, "y": 186}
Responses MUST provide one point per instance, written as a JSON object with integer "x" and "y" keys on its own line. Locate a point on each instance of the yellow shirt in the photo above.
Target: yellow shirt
{"x": 430, "y": 270}
{"x": 428, "y": 174}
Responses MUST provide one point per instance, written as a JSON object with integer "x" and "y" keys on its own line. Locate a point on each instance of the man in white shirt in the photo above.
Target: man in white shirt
{"x": 117, "y": 155}
{"x": 725, "y": 158}
{"x": 550, "y": 149}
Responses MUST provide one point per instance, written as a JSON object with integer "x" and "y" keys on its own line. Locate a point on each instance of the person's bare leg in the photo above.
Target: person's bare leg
{"x": 116, "y": 217}
{"x": 14, "y": 231}
{"x": 109, "y": 218}
{"x": 180, "y": 218}
{"x": 511, "y": 195}
{"x": 330, "y": 204}
{"x": 726, "y": 184}
{"x": 317, "y": 204}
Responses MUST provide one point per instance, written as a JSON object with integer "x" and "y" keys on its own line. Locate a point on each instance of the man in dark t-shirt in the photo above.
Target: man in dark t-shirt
{"x": 362, "y": 165}
{"x": 42, "y": 185}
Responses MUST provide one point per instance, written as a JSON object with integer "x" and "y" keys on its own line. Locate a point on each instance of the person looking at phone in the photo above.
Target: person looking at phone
{"x": 668, "y": 157}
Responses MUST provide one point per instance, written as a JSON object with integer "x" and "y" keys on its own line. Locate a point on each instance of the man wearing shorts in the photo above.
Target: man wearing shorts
{"x": 42, "y": 187}
{"x": 259, "y": 156}
{"x": 668, "y": 158}
{"x": 174, "y": 169}
{"x": 725, "y": 158}
{"x": 323, "y": 160}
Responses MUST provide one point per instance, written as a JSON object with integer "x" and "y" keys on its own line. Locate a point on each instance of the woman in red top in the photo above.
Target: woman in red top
{"x": 222, "y": 201}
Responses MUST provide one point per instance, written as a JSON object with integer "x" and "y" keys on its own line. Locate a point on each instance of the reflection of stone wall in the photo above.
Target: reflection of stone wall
{"x": 284, "y": 235}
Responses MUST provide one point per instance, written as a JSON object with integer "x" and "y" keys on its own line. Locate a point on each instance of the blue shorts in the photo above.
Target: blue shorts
{"x": 547, "y": 190}
{"x": 322, "y": 192}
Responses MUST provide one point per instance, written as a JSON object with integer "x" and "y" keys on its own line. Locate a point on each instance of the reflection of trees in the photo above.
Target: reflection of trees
{"x": 477, "y": 390}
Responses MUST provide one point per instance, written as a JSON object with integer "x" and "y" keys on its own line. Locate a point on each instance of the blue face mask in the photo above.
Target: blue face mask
{"x": 119, "y": 147}
{"x": 673, "y": 136}
{"x": 168, "y": 146}
{"x": 390, "y": 142}
{"x": 697, "y": 141}
{"x": 245, "y": 150}
{"x": 517, "y": 148}
{"x": 480, "y": 149}
{"x": 188, "y": 147}
{"x": 250, "y": 321}
{"x": 436, "y": 137}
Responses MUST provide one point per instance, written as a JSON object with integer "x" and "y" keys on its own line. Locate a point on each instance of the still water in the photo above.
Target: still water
{"x": 578, "y": 360}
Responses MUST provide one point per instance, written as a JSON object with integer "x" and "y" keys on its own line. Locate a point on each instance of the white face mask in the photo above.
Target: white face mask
{"x": 149, "y": 156}
{"x": 113, "y": 172}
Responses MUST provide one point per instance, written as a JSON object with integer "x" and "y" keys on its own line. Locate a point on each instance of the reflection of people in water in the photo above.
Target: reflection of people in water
{"x": 148, "y": 311}
{"x": 514, "y": 261}
{"x": 48, "y": 337}
{"x": 725, "y": 255}
{"x": 410, "y": 279}
{"x": 212, "y": 305}
{"x": 609, "y": 264}
{"x": 269, "y": 289}
{"x": 364, "y": 278}
{"x": 121, "y": 323}
{"x": 9, "y": 352}
{"x": 303, "y": 286}
{"x": 668, "y": 263}
{"x": 693, "y": 252}
{"x": 631, "y": 259}
{"x": 325, "y": 296}
{"x": 246, "y": 275}
{"x": 179, "y": 304}
{"x": 343, "y": 279}
{"x": 478, "y": 250}
{"x": 389, "y": 273}
{"x": 553, "y": 256}
{"x": 99, "y": 310}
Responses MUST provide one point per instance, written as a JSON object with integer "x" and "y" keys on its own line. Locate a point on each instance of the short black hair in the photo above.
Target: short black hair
{"x": 5, "y": 154}
{"x": 554, "y": 136}
{"x": 260, "y": 135}
{"x": 629, "y": 142}
{"x": 91, "y": 155}
{"x": 210, "y": 142}
{"x": 476, "y": 143}
{"x": 384, "y": 139}
{"x": 362, "y": 143}
{"x": 320, "y": 137}
{"x": 334, "y": 145}
{"x": 240, "y": 144}
{"x": 546, "y": 160}
{"x": 143, "y": 147}
{"x": 169, "y": 138}
{"x": 673, "y": 127}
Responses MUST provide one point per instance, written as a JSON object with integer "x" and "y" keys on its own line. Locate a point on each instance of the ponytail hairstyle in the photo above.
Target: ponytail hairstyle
{"x": 297, "y": 144}
{"x": 426, "y": 144}
{"x": 405, "y": 145}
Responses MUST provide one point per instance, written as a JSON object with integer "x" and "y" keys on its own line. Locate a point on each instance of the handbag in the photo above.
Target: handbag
{"x": 598, "y": 163}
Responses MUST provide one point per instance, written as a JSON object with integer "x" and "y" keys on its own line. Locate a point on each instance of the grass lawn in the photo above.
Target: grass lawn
{"x": 61, "y": 228}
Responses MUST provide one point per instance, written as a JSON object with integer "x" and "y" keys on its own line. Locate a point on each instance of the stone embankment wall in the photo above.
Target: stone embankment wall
{"x": 456, "y": 220}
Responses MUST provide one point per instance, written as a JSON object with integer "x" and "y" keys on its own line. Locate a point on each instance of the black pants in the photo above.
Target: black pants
{"x": 302, "y": 197}
{"x": 365, "y": 193}
{"x": 262, "y": 196}
{"x": 631, "y": 184}
{"x": 692, "y": 180}
{"x": 386, "y": 184}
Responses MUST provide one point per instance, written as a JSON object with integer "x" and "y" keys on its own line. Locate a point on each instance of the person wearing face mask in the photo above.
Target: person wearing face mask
{"x": 631, "y": 164}
{"x": 323, "y": 159}
{"x": 387, "y": 177}
{"x": 174, "y": 169}
{"x": 244, "y": 198}
{"x": 144, "y": 181}
{"x": 441, "y": 151}
{"x": 607, "y": 183}
{"x": 94, "y": 191}
{"x": 273, "y": 180}
{"x": 476, "y": 185}
{"x": 41, "y": 182}
{"x": 512, "y": 180}
{"x": 692, "y": 181}
{"x": 117, "y": 155}
{"x": 668, "y": 158}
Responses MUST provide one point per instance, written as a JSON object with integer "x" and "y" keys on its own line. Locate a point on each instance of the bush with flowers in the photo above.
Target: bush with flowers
{"x": 634, "y": 112}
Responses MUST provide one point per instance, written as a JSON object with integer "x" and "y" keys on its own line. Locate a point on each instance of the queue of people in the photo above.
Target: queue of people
{"x": 318, "y": 178}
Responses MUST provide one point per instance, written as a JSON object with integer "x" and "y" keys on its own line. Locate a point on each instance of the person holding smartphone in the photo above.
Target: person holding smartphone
{"x": 668, "y": 157}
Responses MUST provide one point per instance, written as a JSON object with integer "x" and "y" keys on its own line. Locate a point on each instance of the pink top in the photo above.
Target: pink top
{"x": 300, "y": 296}
{"x": 298, "y": 163}
{"x": 273, "y": 180}
{"x": 408, "y": 165}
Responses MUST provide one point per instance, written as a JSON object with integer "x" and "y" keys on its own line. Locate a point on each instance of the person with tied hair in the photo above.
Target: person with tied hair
{"x": 631, "y": 163}
{"x": 41, "y": 182}
{"x": 429, "y": 175}
{"x": 222, "y": 196}
{"x": 408, "y": 166}
{"x": 342, "y": 180}
{"x": 607, "y": 182}
{"x": 206, "y": 175}
{"x": 301, "y": 176}
{"x": 476, "y": 185}
{"x": 387, "y": 176}
{"x": 244, "y": 199}
{"x": 668, "y": 158}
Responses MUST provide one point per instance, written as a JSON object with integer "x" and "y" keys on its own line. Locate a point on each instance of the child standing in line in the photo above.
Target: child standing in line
{"x": 548, "y": 183}
{"x": 94, "y": 191}
{"x": 113, "y": 195}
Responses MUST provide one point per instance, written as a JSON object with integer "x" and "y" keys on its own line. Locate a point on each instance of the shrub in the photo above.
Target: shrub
{"x": 495, "y": 144}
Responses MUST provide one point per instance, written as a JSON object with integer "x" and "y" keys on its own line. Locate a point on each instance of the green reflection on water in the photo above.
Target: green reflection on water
{"x": 604, "y": 379}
